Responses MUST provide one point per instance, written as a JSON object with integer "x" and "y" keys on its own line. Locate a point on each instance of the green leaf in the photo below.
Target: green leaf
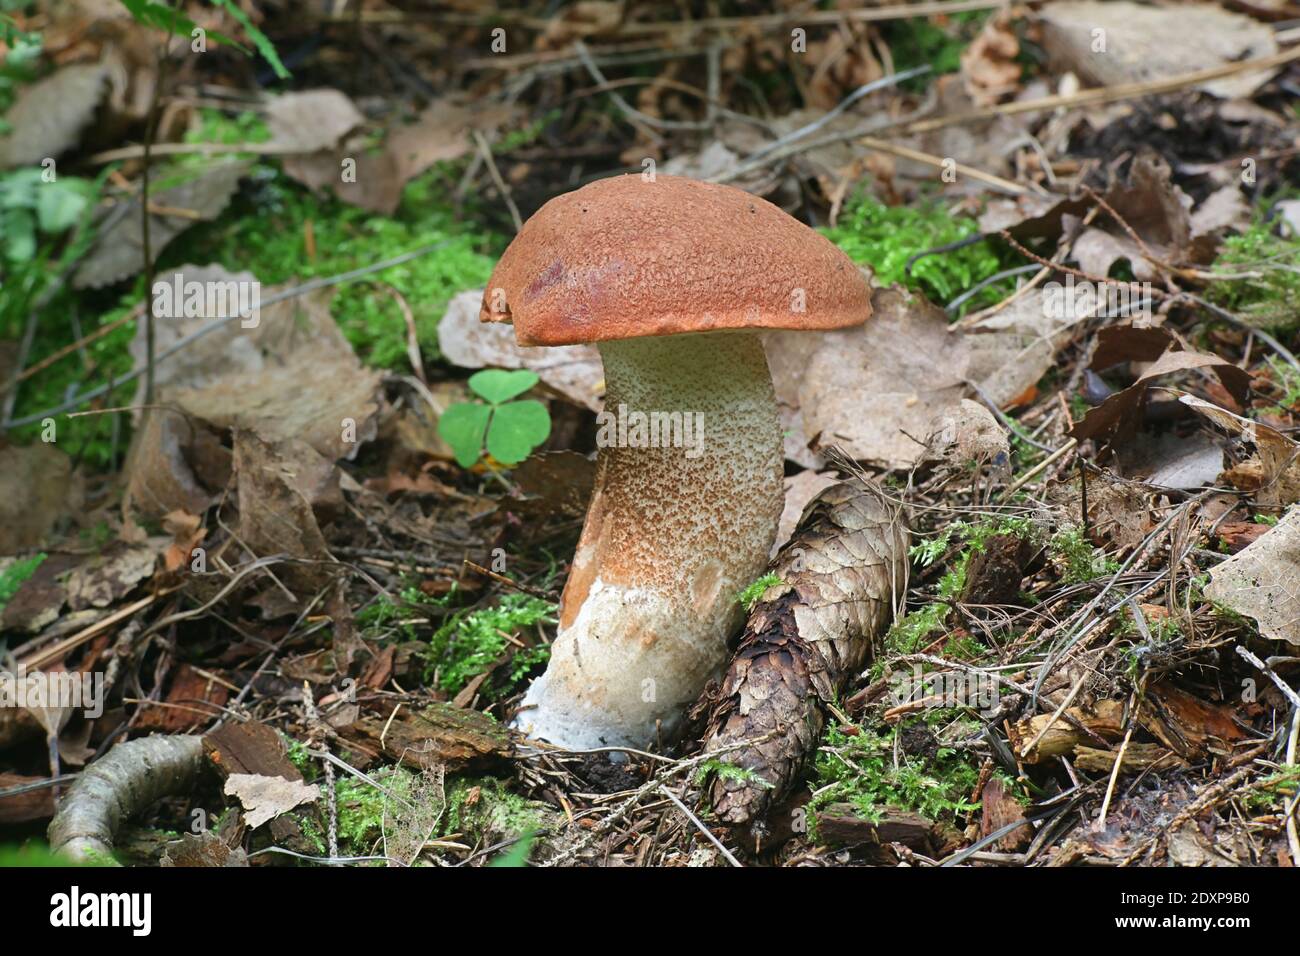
{"x": 498, "y": 385}
{"x": 517, "y": 428}
{"x": 59, "y": 205}
{"x": 165, "y": 18}
{"x": 462, "y": 426}
{"x": 18, "y": 228}
{"x": 517, "y": 855}
{"x": 18, "y": 189}
{"x": 260, "y": 39}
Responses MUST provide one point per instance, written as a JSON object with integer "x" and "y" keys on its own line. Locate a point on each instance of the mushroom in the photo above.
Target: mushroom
{"x": 671, "y": 278}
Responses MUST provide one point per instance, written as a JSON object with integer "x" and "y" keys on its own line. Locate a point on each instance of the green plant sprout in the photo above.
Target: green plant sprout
{"x": 161, "y": 17}
{"x": 509, "y": 429}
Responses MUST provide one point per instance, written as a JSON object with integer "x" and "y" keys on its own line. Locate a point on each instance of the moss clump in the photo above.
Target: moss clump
{"x": 484, "y": 811}
{"x": 749, "y": 597}
{"x": 469, "y": 643}
{"x": 14, "y": 573}
{"x": 886, "y": 237}
{"x": 1079, "y": 560}
{"x": 362, "y": 807}
{"x": 913, "y": 630}
{"x": 860, "y": 766}
{"x": 1265, "y": 290}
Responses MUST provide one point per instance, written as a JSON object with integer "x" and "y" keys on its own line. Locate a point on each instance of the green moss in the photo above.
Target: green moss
{"x": 914, "y": 630}
{"x": 40, "y": 855}
{"x": 1276, "y": 791}
{"x": 1267, "y": 293}
{"x": 749, "y": 597}
{"x": 469, "y": 643}
{"x": 861, "y": 769}
{"x": 886, "y": 237}
{"x": 1078, "y": 559}
{"x": 15, "y": 573}
{"x": 362, "y": 807}
{"x": 484, "y": 810}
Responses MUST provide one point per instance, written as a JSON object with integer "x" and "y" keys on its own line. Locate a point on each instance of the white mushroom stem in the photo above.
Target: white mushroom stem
{"x": 672, "y": 536}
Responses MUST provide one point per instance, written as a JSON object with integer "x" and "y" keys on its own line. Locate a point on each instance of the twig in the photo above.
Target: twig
{"x": 727, "y": 854}
{"x": 626, "y": 807}
{"x": 885, "y": 81}
{"x": 1040, "y": 467}
{"x": 486, "y": 152}
{"x": 1260, "y": 334}
{"x": 146, "y": 215}
{"x": 1106, "y": 94}
{"x": 916, "y": 155}
{"x": 508, "y": 582}
{"x": 1287, "y": 690}
{"x": 632, "y": 112}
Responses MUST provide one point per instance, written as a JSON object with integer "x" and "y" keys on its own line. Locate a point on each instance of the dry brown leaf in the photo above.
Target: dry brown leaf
{"x": 119, "y": 251}
{"x": 874, "y": 390}
{"x": 1119, "y": 416}
{"x": 372, "y": 178}
{"x": 1149, "y": 43}
{"x": 265, "y": 798}
{"x": 311, "y": 120}
{"x": 1274, "y": 472}
{"x": 275, "y": 512}
{"x": 1263, "y": 581}
{"x": 965, "y": 434}
{"x": 988, "y": 64}
{"x": 112, "y": 574}
{"x": 48, "y": 117}
{"x": 38, "y": 490}
{"x": 574, "y": 371}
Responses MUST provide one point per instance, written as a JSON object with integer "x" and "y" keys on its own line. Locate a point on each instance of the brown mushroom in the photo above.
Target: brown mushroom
{"x": 669, "y": 277}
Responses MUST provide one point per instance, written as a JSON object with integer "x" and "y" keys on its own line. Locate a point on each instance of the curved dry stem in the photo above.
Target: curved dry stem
{"x": 126, "y": 780}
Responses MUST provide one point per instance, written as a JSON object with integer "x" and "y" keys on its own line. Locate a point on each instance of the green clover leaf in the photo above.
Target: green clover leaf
{"x": 19, "y": 231}
{"x": 517, "y": 428}
{"x": 462, "y": 426}
{"x": 510, "y": 429}
{"x": 59, "y": 205}
{"x": 498, "y": 385}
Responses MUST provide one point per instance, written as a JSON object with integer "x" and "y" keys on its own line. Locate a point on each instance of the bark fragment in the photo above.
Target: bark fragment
{"x": 842, "y": 574}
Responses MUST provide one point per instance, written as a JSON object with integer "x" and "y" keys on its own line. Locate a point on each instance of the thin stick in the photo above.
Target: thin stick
{"x": 486, "y": 152}
{"x": 906, "y": 152}
{"x": 1107, "y": 94}
{"x": 727, "y": 854}
{"x": 1040, "y": 467}
{"x": 502, "y": 579}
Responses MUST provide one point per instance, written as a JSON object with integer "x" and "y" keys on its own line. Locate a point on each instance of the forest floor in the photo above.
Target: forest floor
{"x": 1080, "y": 389}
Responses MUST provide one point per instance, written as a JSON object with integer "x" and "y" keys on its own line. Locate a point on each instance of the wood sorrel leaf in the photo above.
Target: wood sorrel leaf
{"x": 498, "y": 385}
{"x": 517, "y": 428}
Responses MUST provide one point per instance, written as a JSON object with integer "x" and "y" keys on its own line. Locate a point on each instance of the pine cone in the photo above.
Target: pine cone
{"x": 842, "y": 574}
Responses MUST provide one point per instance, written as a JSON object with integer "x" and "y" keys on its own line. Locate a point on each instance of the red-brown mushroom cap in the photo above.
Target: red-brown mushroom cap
{"x": 627, "y": 257}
